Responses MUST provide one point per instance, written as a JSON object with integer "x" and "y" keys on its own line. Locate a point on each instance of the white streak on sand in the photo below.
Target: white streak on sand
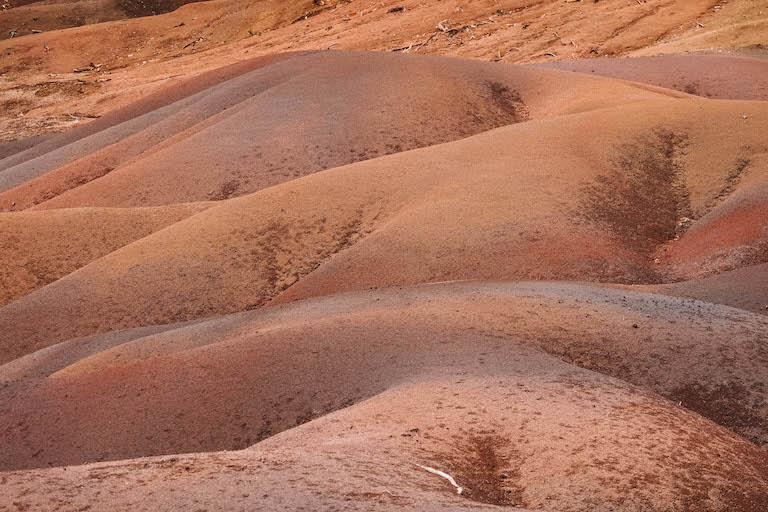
{"x": 444, "y": 475}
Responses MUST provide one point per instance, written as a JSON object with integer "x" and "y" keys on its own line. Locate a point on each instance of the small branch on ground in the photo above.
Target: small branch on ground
{"x": 192, "y": 43}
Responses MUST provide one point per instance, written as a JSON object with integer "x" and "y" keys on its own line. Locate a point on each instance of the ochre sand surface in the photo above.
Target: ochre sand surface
{"x": 73, "y": 238}
{"x": 452, "y": 376}
{"x": 26, "y": 17}
{"x": 303, "y": 279}
{"x": 540, "y": 443}
{"x": 709, "y": 75}
{"x": 663, "y": 188}
{"x": 40, "y": 93}
{"x": 743, "y": 288}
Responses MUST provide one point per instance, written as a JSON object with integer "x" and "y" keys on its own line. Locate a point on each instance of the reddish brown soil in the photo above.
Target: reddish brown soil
{"x": 743, "y": 288}
{"x": 255, "y": 273}
{"x": 137, "y": 56}
{"x": 708, "y": 75}
{"x": 73, "y": 238}
{"x": 286, "y": 238}
{"x": 27, "y": 17}
{"x": 432, "y": 387}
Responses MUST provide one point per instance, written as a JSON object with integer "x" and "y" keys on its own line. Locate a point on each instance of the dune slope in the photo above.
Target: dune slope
{"x": 332, "y": 279}
{"x": 352, "y": 461}
{"x": 443, "y": 376}
{"x": 289, "y": 118}
{"x": 403, "y": 219}
{"x": 720, "y": 76}
{"x": 201, "y": 387}
{"x": 39, "y": 248}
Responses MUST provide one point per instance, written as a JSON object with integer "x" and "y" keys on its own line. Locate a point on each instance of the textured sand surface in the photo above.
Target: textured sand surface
{"x": 321, "y": 355}
{"x": 136, "y": 57}
{"x": 246, "y": 266}
{"x": 73, "y": 238}
{"x": 289, "y": 119}
{"x": 743, "y": 288}
{"x": 663, "y": 188}
{"x": 708, "y": 75}
{"x": 447, "y": 376}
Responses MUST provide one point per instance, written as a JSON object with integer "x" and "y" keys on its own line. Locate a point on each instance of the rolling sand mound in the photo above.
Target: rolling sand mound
{"x": 711, "y": 76}
{"x": 641, "y": 198}
{"x": 48, "y": 154}
{"x": 354, "y": 462}
{"x": 135, "y": 57}
{"x": 744, "y": 288}
{"x": 294, "y": 117}
{"x": 419, "y": 364}
{"x": 26, "y": 18}
{"x": 72, "y": 239}
{"x": 357, "y": 281}
{"x": 171, "y": 369}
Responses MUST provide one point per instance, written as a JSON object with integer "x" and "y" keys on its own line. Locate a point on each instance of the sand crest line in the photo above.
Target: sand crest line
{"x": 444, "y": 475}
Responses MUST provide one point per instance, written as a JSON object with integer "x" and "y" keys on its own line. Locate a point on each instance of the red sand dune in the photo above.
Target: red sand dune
{"x": 73, "y": 238}
{"x": 169, "y": 373}
{"x": 25, "y": 17}
{"x": 370, "y": 456}
{"x": 429, "y": 370}
{"x": 743, "y": 288}
{"x": 288, "y": 119}
{"x": 138, "y": 56}
{"x": 616, "y": 200}
{"x": 345, "y": 280}
{"x": 711, "y": 76}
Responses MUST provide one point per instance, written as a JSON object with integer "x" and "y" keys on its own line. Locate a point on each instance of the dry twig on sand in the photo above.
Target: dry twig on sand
{"x": 414, "y": 45}
{"x": 192, "y": 43}
{"x": 90, "y": 67}
{"x": 428, "y": 40}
